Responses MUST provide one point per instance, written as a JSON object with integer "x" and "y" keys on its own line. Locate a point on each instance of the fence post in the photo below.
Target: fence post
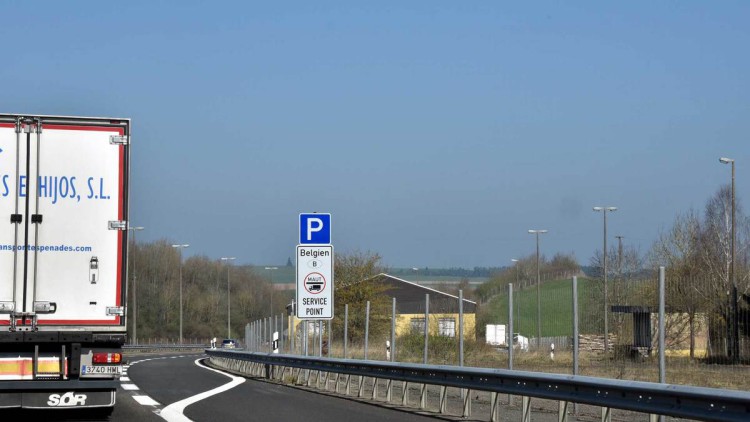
{"x": 393, "y": 331}
{"x": 346, "y": 335}
{"x": 575, "y": 334}
{"x": 426, "y": 343}
{"x": 305, "y": 337}
{"x": 662, "y": 360}
{"x": 464, "y": 392}
{"x": 510, "y": 327}
{"x": 662, "y": 351}
{"x": 426, "y": 324}
{"x": 367, "y": 327}
{"x": 292, "y": 329}
{"x": 460, "y": 327}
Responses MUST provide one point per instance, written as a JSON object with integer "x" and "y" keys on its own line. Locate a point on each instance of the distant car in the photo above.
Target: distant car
{"x": 229, "y": 343}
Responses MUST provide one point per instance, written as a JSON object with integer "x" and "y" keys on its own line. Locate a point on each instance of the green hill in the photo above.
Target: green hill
{"x": 556, "y": 309}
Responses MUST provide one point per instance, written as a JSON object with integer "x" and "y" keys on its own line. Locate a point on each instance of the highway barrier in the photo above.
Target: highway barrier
{"x": 699, "y": 403}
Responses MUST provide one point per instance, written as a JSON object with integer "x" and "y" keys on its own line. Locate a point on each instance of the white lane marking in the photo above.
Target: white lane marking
{"x": 124, "y": 379}
{"x": 129, "y": 386}
{"x": 146, "y": 400}
{"x": 173, "y": 412}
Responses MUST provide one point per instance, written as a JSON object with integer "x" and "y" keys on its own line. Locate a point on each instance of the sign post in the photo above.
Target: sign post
{"x": 314, "y": 299}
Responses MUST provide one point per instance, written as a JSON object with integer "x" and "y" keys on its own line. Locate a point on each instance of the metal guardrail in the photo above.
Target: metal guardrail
{"x": 164, "y": 346}
{"x": 699, "y": 403}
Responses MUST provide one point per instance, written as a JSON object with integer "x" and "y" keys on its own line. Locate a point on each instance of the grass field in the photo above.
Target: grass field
{"x": 556, "y": 299}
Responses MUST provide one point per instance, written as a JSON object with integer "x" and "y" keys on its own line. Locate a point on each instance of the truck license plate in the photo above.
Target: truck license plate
{"x": 107, "y": 370}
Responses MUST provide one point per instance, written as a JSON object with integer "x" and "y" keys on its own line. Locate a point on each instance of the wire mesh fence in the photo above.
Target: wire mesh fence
{"x": 545, "y": 328}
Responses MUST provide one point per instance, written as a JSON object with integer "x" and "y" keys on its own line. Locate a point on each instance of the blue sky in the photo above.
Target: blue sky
{"x": 436, "y": 133}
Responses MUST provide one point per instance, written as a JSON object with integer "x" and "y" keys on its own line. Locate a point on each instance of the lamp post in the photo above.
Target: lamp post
{"x": 538, "y": 292}
{"x": 735, "y": 332}
{"x": 604, "y": 210}
{"x": 270, "y": 275}
{"x": 135, "y": 289}
{"x": 180, "y": 248}
{"x": 229, "y": 301}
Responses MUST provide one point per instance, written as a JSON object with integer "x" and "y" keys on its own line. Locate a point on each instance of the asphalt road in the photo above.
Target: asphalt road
{"x": 168, "y": 380}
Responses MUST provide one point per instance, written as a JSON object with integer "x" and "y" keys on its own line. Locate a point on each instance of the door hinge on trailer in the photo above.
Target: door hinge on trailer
{"x": 115, "y": 310}
{"x": 119, "y": 140}
{"x": 118, "y": 225}
{"x": 7, "y": 307}
{"x": 45, "y": 307}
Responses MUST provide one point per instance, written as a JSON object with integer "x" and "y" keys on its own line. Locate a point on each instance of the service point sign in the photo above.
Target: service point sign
{"x": 314, "y": 282}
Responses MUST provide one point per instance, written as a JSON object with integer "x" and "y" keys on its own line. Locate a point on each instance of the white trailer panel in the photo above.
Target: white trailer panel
{"x": 63, "y": 191}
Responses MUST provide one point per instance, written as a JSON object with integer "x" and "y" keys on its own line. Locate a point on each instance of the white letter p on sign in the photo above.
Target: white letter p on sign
{"x": 313, "y": 228}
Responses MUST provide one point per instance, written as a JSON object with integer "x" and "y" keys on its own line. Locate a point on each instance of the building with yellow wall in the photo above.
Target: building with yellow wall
{"x": 410, "y": 308}
{"x": 443, "y": 308}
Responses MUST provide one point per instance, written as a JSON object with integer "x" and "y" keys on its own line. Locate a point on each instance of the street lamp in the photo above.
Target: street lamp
{"x": 735, "y": 332}
{"x": 135, "y": 289}
{"x": 604, "y": 210}
{"x": 538, "y": 292}
{"x": 180, "y": 248}
{"x": 270, "y": 274}
{"x": 229, "y": 301}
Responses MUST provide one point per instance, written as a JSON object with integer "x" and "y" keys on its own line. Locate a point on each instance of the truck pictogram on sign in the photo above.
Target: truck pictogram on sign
{"x": 315, "y": 283}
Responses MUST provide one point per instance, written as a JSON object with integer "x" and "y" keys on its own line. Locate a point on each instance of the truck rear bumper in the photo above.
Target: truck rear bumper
{"x": 57, "y": 394}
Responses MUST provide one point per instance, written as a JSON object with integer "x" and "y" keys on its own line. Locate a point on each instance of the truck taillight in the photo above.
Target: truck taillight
{"x": 107, "y": 357}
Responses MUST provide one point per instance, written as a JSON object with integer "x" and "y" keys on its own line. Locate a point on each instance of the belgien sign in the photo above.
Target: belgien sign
{"x": 315, "y": 282}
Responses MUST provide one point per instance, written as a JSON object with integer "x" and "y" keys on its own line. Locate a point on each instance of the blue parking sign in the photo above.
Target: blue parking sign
{"x": 315, "y": 229}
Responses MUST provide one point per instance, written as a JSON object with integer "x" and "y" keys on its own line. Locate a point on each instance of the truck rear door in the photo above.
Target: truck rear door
{"x": 63, "y": 213}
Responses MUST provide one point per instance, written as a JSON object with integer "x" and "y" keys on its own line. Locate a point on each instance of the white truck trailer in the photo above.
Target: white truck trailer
{"x": 63, "y": 260}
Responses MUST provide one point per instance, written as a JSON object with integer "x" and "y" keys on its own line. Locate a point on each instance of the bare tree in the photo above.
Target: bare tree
{"x": 679, "y": 250}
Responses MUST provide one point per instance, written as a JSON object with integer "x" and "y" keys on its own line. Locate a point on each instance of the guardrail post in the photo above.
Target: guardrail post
{"x": 494, "y": 407}
{"x": 562, "y": 411}
{"x": 405, "y": 394}
{"x": 374, "y": 388}
{"x": 389, "y": 393}
{"x": 443, "y": 398}
{"x": 361, "y": 386}
{"x": 526, "y": 409}
{"x": 467, "y": 404}
{"x": 422, "y": 396}
{"x": 606, "y": 414}
{"x": 348, "y": 384}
